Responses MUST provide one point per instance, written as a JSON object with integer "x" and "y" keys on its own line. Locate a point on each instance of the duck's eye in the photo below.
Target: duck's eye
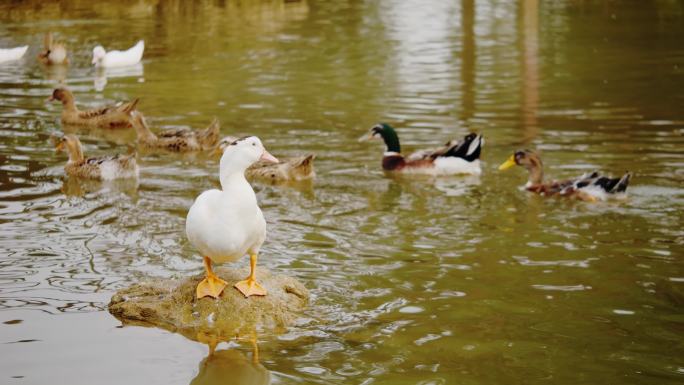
{"x": 253, "y": 144}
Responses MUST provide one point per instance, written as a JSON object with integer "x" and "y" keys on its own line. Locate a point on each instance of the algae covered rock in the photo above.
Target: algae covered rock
{"x": 171, "y": 304}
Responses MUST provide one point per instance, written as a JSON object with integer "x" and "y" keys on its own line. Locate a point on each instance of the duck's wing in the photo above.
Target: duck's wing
{"x": 136, "y": 51}
{"x": 468, "y": 149}
{"x": 128, "y": 107}
{"x": 176, "y": 133}
{"x": 99, "y": 160}
{"x": 602, "y": 183}
{"x": 96, "y": 112}
{"x": 431, "y": 153}
{"x": 122, "y": 107}
{"x": 8, "y": 54}
{"x": 209, "y": 137}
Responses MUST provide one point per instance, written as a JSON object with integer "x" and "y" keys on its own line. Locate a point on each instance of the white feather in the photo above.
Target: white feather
{"x": 450, "y": 165}
{"x": 474, "y": 145}
{"x": 226, "y": 224}
{"x": 10, "y": 54}
{"x": 110, "y": 170}
{"x": 118, "y": 58}
{"x": 595, "y": 191}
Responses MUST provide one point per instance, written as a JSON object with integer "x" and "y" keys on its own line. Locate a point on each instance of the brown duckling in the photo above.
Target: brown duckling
{"x": 291, "y": 169}
{"x": 589, "y": 187}
{"x": 177, "y": 140}
{"x": 54, "y": 52}
{"x": 117, "y": 116}
{"x": 107, "y": 167}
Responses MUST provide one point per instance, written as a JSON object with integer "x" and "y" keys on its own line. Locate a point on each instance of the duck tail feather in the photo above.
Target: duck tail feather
{"x": 622, "y": 184}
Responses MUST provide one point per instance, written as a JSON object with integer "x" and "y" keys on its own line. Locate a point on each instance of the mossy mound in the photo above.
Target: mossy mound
{"x": 171, "y": 304}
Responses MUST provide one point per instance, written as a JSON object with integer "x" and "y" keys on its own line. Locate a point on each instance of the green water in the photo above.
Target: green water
{"x": 428, "y": 281}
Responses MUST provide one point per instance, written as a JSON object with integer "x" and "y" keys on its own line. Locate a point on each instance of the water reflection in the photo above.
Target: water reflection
{"x": 57, "y": 74}
{"x": 80, "y": 187}
{"x": 230, "y": 366}
{"x": 529, "y": 30}
{"x": 468, "y": 60}
{"x": 102, "y": 74}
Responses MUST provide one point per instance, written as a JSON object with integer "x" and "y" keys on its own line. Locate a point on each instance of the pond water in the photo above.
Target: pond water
{"x": 414, "y": 280}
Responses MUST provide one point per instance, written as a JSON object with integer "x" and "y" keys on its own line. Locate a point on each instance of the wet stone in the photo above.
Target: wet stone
{"x": 171, "y": 304}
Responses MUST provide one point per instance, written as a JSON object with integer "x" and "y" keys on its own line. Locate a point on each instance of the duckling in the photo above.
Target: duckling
{"x": 454, "y": 158}
{"x": 101, "y": 168}
{"x": 118, "y": 116}
{"x": 177, "y": 140}
{"x": 589, "y": 187}
{"x": 131, "y": 56}
{"x": 53, "y": 52}
{"x": 292, "y": 169}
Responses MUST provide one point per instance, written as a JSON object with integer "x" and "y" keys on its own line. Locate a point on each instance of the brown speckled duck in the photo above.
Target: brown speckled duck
{"x": 118, "y": 116}
{"x": 54, "y": 53}
{"x": 589, "y": 187}
{"x": 102, "y": 168}
{"x": 177, "y": 140}
{"x": 288, "y": 170}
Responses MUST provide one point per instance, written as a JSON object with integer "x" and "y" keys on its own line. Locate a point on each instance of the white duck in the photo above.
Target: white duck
{"x": 226, "y": 224}
{"x": 10, "y": 54}
{"x": 131, "y": 56}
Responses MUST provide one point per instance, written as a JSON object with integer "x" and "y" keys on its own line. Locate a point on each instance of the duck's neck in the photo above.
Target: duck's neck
{"x": 229, "y": 181}
{"x": 142, "y": 129}
{"x": 75, "y": 152}
{"x": 391, "y": 140}
{"x": 232, "y": 174}
{"x": 536, "y": 172}
{"x": 68, "y": 103}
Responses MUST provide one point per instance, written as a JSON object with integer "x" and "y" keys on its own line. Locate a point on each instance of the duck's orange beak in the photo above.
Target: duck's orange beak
{"x": 268, "y": 157}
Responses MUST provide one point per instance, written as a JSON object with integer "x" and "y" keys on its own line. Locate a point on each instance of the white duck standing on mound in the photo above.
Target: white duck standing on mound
{"x": 226, "y": 224}
{"x": 131, "y": 56}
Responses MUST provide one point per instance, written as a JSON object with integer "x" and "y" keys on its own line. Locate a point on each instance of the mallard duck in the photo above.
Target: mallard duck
{"x": 102, "y": 168}
{"x": 292, "y": 169}
{"x": 131, "y": 56}
{"x": 590, "y": 186}
{"x": 226, "y": 224}
{"x": 118, "y": 116}
{"x": 11, "y": 54}
{"x": 454, "y": 158}
{"x": 53, "y": 52}
{"x": 179, "y": 139}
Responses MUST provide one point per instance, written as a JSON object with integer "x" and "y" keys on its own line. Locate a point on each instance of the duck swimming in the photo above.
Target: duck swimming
{"x": 454, "y": 158}
{"x": 101, "y": 168}
{"x": 226, "y": 224}
{"x": 287, "y": 170}
{"x": 117, "y": 116}
{"x": 589, "y": 187}
{"x": 53, "y": 52}
{"x": 131, "y": 56}
{"x": 177, "y": 140}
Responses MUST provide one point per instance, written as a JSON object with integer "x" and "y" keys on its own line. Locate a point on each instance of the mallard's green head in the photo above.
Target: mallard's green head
{"x": 388, "y": 134}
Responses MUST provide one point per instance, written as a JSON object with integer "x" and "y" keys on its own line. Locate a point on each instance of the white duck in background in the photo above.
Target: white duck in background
{"x": 131, "y": 56}
{"x": 10, "y": 54}
{"x": 226, "y": 224}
